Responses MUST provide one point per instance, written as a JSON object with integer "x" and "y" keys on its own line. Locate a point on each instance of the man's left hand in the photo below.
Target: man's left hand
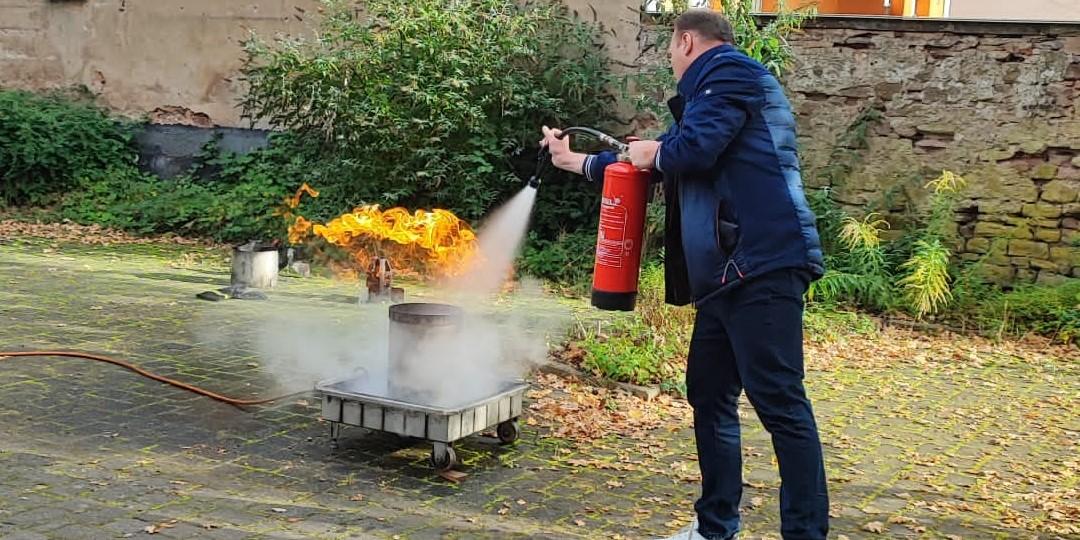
{"x": 643, "y": 153}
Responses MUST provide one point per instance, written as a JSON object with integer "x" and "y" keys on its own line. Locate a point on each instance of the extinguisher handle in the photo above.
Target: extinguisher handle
{"x": 624, "y": 153}
{"x": 604, "y": 137}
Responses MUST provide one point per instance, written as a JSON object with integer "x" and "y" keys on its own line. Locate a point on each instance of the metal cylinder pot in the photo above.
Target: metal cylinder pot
{"x": 417, "y": 332}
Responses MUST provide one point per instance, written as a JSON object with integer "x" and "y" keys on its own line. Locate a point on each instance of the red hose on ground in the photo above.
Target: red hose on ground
{"x": 144, "y": 373}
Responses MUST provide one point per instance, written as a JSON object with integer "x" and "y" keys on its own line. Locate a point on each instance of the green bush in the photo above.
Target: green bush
{"x": 829, "y": 325}
{"x": 632, "y": 352}
{"x": 915, "y": 273}
{"x": 1046, "y": 310}
{"x": 47, "y": 142}
{"x": 124, "y": 198}
{"x": 567, "y": 259}
{"x": 647, "y": 346}
{"x": 237, "y": 203}
{"x": 431, "y": 105}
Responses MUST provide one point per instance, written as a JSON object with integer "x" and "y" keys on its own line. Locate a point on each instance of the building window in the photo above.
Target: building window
{"x": 888, "y": 8}
{"x": 658, "y": 6}
{"x": 893, "y": 8}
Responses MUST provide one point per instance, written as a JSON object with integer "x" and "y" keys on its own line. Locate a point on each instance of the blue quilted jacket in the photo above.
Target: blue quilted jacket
{"x": 735, "y": 202}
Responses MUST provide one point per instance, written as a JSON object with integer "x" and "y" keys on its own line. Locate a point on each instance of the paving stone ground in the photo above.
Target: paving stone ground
{"x": 973, "y": 450}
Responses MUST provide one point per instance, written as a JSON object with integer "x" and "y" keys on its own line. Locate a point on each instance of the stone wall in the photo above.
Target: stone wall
{"x": 172, "y": 61}
{"x": 993, "y": 102}
{"x": 177, "y": 61}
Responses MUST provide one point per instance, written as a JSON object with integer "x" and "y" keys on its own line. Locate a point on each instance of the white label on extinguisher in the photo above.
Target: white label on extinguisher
{"x": 610, "y": 243}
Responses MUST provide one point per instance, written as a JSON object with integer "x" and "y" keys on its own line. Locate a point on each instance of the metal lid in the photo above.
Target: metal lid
{"x": 426, "y": 313}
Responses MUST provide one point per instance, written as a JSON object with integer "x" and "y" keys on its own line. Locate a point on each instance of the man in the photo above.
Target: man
{"x": 742, "y": 246}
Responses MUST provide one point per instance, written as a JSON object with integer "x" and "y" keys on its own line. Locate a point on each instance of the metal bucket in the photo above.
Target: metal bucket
{"x": 255, "y": 265}
{"x": 417, "y": 332}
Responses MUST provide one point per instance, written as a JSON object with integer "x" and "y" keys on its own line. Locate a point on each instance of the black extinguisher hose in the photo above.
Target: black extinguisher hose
{"x": 603, "y": 137}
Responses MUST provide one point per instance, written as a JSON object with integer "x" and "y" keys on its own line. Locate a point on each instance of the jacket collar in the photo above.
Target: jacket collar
{"x": 689, "y": 79}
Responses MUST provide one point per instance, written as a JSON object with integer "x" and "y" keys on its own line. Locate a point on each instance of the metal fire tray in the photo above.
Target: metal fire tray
{"x": 350, "y": 402}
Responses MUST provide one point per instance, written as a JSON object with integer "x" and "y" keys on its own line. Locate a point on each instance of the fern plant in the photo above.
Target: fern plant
{"x": 926, "y": 285}
{"x": 860, "y": 273}
{"x": 926, "y": 282}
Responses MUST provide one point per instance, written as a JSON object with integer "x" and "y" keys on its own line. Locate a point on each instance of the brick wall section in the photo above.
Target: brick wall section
{"x": 994, "y": 102}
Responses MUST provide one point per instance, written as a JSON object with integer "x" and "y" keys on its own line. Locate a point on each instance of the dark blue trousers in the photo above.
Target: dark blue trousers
{"x": 750, "y": 338}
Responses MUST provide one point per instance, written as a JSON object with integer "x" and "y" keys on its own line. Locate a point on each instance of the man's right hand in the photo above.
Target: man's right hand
{"x": 561, "y": 155}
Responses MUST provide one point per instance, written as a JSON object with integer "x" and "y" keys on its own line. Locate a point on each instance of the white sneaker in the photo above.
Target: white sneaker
{"x": 687, "y": 533}
{"x": 690, "y": 533}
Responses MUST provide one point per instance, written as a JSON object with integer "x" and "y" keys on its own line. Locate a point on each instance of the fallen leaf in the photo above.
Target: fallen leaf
{"x": 453, "y": 476}
{"x": 876, "y": 527}
{"x": 154, "y": 529}
{"x": 358, "y": 497}
{"x": 757, "y": 501}
{"x": 522, "y": 502}
{"x": 579, "y": 523}
{"x": 503, "y": 511}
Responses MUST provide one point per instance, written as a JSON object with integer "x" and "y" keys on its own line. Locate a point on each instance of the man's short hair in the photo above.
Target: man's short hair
{"x": 706, "y": 23}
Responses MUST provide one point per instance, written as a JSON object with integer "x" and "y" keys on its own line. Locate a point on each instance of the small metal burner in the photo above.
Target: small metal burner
{"x": 380, "y": 283}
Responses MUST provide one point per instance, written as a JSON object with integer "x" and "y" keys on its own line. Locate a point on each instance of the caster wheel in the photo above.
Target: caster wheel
{"x": 445, "y": 460}
{"x": 508, "y": 431}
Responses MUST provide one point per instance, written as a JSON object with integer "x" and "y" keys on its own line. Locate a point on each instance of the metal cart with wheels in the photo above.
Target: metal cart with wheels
{"x": 344, "y": 405}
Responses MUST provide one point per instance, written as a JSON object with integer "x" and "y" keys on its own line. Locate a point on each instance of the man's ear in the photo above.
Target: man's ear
{"x": 688, "y": 42}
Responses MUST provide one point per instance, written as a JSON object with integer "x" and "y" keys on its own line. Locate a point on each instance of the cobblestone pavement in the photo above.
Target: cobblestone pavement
{"x": 982, "y": 449}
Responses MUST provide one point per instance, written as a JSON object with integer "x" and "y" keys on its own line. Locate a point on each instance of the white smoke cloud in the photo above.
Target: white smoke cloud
{"x": 499, "y": 338}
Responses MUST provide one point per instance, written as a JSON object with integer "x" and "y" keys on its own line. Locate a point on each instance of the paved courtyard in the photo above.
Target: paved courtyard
{"x": 966, "y": 441}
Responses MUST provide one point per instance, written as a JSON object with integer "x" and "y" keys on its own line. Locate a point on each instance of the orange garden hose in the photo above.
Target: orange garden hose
{"x": 147, "y": 374}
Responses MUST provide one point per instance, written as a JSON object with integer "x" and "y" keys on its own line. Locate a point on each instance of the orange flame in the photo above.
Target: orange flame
{"x": 294, "y": 201}
{"x": 434, "y": 242}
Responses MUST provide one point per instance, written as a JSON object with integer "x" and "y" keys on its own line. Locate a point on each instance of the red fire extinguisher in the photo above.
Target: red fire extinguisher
{"x": 620, "y": 236}
{"x": 622, "y": 225}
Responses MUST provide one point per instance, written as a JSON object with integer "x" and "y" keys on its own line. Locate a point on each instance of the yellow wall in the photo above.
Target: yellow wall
{"x": 840, "y": 7}
{"x": 924, "y": 8}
